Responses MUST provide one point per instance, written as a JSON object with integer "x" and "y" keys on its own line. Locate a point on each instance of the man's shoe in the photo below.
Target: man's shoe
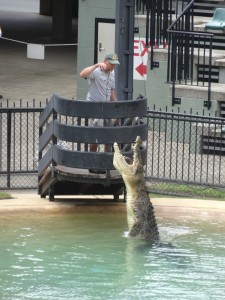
{"x": 97, "y": 171}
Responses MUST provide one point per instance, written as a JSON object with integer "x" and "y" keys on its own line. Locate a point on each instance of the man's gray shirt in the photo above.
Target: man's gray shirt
{"x": 100, "y": 85}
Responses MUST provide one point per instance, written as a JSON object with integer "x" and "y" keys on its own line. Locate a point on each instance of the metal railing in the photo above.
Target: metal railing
{"x": 159, "y": 16}
{"x": 186, "y": 50}
{"x": 181, "y": 148}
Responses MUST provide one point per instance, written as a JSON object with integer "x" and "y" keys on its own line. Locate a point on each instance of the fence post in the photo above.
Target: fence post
{"x": 9, "y": 117}
{"x": 1, "y": 142}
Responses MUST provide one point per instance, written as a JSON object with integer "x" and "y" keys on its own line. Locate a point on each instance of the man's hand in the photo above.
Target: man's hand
{"x": 102, "y": 66}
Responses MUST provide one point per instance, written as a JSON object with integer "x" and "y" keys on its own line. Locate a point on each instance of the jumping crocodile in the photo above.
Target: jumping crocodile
{"x": 140, "y": 212}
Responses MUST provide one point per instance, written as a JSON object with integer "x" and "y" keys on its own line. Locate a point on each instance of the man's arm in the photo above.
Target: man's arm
{"x": 113, "y": 95}
{"x": 88, "y": 70}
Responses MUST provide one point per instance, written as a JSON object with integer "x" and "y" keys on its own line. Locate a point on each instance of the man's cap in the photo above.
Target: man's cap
{"x": 112, "y": 58}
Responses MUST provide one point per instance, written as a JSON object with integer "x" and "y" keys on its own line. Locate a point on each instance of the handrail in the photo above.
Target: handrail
{"x": 186, "y": 49}
{"x": 159, "y": 15}
{"x": 181, "y": 15}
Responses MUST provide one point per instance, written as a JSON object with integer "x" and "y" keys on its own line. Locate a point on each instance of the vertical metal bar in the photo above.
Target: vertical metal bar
{"x": 14, "y": 139}
{"x": 147, "y": 24}
{"x": 171, "y": 148}
{"x": 192, "y": 59}
{"x": 186, "y": 58}
{"x": 40, "y": 132}
{"x": 147, "y": 141}
{"x": 130, "y": 49}
{"x": 153, "y": 143}
{"x": 124, "y": 46}
{"x": 33, "y": 138}
{"x": 165, "y": 21}
{"x": 195, "y": 153}
{"x": 152, "y": 32}
{"x": 189, "y": 149}
{"x": 173, "y": 66}
{"x": 159, "y": 147}
{"x": 220, "y": 138}
{"x": 165, "y": 147}
{"x": 21, "y": 140}
{"x": 210, "y": 69}
{"x": 27, "y": 136}
{"x": 8, "y": 148}
{"x": 198, "y": 62}
{"x": 169, "y": 58}
{"x": 187, "y": 45}
{"x": 220, "y": 161}
{"x": 179, "y": 57}
{"x": 204, "y": 60}
{"x": 177, "y": 147}
{"x": 1, "y": 140}
{"x": 207, "y": 159}
{"x": 158, "y": 25}
{"x": 170, "y": 9}
{"x": 176, "y": 13}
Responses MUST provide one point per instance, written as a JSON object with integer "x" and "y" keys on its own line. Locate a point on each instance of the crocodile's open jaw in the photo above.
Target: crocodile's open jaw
{"x": 125, "y": 165}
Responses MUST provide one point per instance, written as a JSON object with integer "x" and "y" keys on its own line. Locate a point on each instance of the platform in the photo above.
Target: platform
{"x": 61, "y": 180}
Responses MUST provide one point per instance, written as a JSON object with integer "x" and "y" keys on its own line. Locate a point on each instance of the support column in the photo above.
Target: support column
{"x": 124, "y": 46}
{"x": 62, "y": 20}
{"x": 46, "y": 7}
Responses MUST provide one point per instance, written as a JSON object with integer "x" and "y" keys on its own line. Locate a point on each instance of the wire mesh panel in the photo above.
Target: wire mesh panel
{"x": 186, "y": 149}
{"x": 18, "y": 138}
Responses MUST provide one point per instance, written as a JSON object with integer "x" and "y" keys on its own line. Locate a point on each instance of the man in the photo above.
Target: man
{"x": 101, "y": 81}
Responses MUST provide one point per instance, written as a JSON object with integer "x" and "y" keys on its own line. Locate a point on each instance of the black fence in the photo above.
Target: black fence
{"x": 185, "y": 149}
{"x": 18, "y": 147}
{"x": 181, "y": 148}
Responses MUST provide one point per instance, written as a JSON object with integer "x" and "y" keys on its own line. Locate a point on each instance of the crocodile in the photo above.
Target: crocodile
{"x": 140, "y": 211}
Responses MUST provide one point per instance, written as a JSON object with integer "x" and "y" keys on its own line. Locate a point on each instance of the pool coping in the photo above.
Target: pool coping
{"x": 30, "y": 201}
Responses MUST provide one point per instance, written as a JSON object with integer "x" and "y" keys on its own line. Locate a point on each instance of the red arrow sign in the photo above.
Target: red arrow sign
{"x": 142, "y": 69}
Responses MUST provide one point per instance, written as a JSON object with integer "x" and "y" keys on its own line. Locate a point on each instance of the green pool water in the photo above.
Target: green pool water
{"x": 88, "y": 256}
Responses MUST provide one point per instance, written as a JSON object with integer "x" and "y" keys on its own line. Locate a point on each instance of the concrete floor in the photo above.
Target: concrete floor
{"x": 28, "y": 79}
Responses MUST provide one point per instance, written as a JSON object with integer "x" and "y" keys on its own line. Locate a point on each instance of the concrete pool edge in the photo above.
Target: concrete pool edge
{"x": 30, "y": 201}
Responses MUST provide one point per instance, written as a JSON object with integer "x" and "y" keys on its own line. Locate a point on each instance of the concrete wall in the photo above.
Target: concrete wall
{"x": 155, "y": 87}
